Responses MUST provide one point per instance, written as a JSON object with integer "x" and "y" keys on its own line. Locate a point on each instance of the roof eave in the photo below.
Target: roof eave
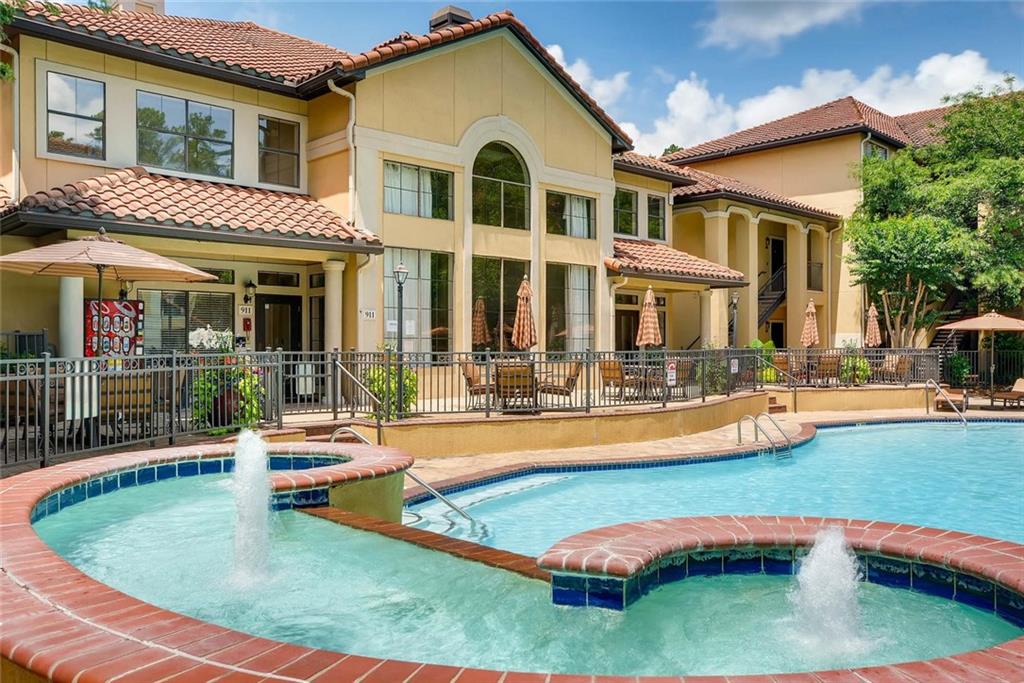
{"x": 676, "y": 180}
{"x": 58, "y": 221}
{"x": 756, "y": 201}
{"x": 712, "y": 283}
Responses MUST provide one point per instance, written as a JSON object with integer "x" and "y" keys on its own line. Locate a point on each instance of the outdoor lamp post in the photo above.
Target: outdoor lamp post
{"x": 401, "y": 273}
{"x": 734, "y": 300}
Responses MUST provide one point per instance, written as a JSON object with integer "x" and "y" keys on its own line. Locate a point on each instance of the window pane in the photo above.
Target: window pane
{"x": 164, "y": 325}
{"x": 279, "y": 135}
{"x": 162, "y": 150}
{"x": 486, "y": 294}
{"x": 60, "y": 93}
{"x": 556, "y": 315}
{"x": 625, "y": 223}
{"x": 439, "y": 184}
{"x": 511, "y": 278}
{"x": 209, "y": 158}
{"x": 486, "y": 202}
{"x": 269, "y": 278}
{"x": 497, "y": 160}
{"x": 279, "y": 168}
{"x": 160, "y": 112}
{"x": 88, "y": 98}
{"x": 656, "y": 218}
{"x": 557, "y": 213}
{"x": 625, "y": 200}
{"x": 410, "y": 200}
{"x": 207, "y": 121}
{"x": 516, "y": 204}
{"x": 72, "y": 135}
{"x": 211, "y": 308}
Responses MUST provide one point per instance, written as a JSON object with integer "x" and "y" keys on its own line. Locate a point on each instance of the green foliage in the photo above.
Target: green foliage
{"x": 959, "y": 368}
{"x": 766, "y": 372}
{"x": 670, "y": 149}
{"x": 854, "y": 369}
{"x": 227, "y": 395}
{"x": 712, "y": 373}
{"x": 382, "y": 381}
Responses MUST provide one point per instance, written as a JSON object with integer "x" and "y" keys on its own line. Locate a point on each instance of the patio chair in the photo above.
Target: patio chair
{"x": 515, "y": 386}
{"x": 1015, "y": 395}
{"x": 563, "y": 389}
{"x": 827, "y": 370}
{"x": 794, "y": 369}
{"x": 615, "y": 380}
{"x": 896, "y": 368}
{"x": 956, "y": 398}
{"x": 478, "y": 391}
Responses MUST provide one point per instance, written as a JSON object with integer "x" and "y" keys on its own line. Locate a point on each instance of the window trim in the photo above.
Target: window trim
{"x": 260, "y": 149}
{"x": 635, "y": 212}
{"x": 46, "y": 119}
{"x": 664, "y": 217}
{"x": 419, "y": 167}
{"x": 591, "y": 224}
{"x": 187, "y": 136}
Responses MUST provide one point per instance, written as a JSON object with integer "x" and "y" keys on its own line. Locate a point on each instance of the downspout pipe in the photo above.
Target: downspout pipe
{"x": 831, "y": 292}
{"x": 349, "y": 139}
{"x": 16, "y": 115}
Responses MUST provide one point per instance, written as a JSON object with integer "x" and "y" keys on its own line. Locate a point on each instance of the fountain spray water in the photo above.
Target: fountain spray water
{"x": 827, "y": 616}
{"x": 252, "y": 509}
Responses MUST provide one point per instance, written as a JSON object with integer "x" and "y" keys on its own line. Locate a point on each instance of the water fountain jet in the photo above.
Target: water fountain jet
{"x": 251, "y": 484}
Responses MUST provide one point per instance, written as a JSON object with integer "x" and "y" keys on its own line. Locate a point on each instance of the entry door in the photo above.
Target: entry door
{"x": 278, "y": 322}
{"x": 627, "y": 322}
{"x": 777, "y": 330}
{"x": 777, "y": 257}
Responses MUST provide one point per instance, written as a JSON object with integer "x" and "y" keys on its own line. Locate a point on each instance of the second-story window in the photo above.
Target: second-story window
{"x": 417, "y": 191}
{"x": 625, "y": 212}
{"x": 569, "y": 214}
{"x": 501, "y": 188}
{"x": 655, "y": 217}
{"x": 75, "y": 116}
{"x": 279, "y": 152}
{"x": 872, "y": 149}
{"x": 182, "y": 135}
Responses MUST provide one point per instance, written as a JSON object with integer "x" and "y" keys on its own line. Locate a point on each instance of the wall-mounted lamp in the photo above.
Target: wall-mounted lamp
{"x": 250, "y": 292}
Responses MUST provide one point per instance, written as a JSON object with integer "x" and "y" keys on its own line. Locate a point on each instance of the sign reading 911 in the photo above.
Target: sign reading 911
{"x": 113, "y": 327}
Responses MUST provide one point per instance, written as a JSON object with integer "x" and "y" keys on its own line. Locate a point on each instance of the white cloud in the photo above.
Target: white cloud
{"x": 259, "y": 12}
{"x": 606, "y": 91}
{"x": 693, "y": 114}
{"x": 764, "y": 24}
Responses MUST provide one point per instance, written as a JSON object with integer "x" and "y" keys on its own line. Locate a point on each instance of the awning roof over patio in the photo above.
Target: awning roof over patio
{"x": 659, "y": 261}
{"x": 133, "y": 200}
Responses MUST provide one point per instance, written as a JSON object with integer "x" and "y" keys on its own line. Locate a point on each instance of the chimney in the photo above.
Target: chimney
{"x": 449, "y": 15}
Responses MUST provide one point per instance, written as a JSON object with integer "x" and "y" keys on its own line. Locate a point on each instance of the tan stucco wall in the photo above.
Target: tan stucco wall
{"x": 854, "y": 398}
{"x": 379, "y": 497}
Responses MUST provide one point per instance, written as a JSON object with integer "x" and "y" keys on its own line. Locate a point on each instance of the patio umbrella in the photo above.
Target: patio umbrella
{"x": 990, "y": 322}
{"x": 524, "y": 331}
{"x": 873, "y": 336}
{"x": 481, "y": 333}
{"x": 809, "y": 335}
{"x": 649, "y": 332}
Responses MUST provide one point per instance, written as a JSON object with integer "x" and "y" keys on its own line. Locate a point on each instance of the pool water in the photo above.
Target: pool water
{"x": 929, "y": 474}
{"x": 170, "y": 543}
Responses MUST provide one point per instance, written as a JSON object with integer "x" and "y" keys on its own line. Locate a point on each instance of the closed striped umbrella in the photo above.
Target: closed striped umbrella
{"x": 524, "y": 331}
{"x": 649, "y": 333}
{"x": 809, "y": 335}
{"x": 873, "y": 336}
{"x": 481, "y": 333}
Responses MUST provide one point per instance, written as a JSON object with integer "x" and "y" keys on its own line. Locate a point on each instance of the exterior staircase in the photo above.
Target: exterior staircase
{"x": 771, "y": 295}
{"x": 774, "y": 407}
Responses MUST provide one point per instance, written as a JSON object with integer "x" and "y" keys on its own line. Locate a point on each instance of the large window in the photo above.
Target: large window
{"x": 417, "y": 191}
{"x": 569, "y": 307}
{"x": 75, "y": 116}
{"x": 426, "y": 300}
{"x": 569, "y": 214}
{"x": 279, "y": 152}
{"x": 495, "y": 285}
{"x": 625, "y": 212}
{"x": 501, "y": 188}
{"x": 171, "y": 315}
{"x": 182, "y": 135}
{"x": 655, "y": 217}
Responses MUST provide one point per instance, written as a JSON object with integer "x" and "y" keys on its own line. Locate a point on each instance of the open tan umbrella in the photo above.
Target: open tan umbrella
{"x": 649, "y": 332}
{"x": 524, "y": 331}
{"x": 990, "y": 322}
{"x": 481, "y": 333}
{"x": 872, "y": 336}
{"x": 809, "y": 335}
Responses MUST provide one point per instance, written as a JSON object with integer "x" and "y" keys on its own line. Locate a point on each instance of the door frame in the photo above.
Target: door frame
{"x": 295, "y": 300}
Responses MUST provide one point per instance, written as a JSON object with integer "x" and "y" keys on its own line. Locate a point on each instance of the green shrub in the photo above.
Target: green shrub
{"x": 382, "y": 381}
{"x": 959, "y": 368}
{"x": 712, "y": 373}
{"x": 230, "y": 395}
{"x": 766, "y": 352}
{"x": 854, "y": 370}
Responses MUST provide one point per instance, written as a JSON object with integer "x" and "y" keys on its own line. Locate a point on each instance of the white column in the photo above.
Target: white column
{"x": 334, "y": 277}
{"x": 706, "y": 329}
{"x": 72, "y": 317}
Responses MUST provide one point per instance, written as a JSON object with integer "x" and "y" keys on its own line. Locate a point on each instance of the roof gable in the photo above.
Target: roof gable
{"x": 707, "y": 185}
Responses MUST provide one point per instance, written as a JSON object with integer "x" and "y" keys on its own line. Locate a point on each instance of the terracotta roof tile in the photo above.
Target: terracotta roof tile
{"x": 711, "y": 184}
{"x": 238, "y": 45}
{"x": 642, "y": 164}
{"x": 658, "y": 260}
{"x": 923, "y": 126}
{"x": 839, "y": 115}
{"x": 135, "y": 195}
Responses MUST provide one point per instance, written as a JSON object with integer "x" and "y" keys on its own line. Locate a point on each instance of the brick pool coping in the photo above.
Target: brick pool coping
{"x": 61, "y": 624}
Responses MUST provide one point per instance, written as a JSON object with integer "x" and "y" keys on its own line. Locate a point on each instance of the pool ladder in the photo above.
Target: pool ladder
{"x": 415, "y": 477}
{"x": 758, "y": 427}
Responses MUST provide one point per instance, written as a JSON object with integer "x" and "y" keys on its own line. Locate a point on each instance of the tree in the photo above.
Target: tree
{"x": 670, "y": 149}
{"x": 969, "y": 185}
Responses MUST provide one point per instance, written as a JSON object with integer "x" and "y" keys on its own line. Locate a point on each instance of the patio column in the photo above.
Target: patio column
{"x": 71, "y": 306}
{"x": 716, "y": 248}
{"x": 333, "y": 286}
{"x": 796, "y": 282}
{"x": 746, "y": 254}
{"x": 705, "y": 317}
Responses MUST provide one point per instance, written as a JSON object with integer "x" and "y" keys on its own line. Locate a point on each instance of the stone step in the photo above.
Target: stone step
{"x": 776, "y": 408}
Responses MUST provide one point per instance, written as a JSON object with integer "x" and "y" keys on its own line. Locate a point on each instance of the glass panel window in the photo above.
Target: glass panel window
{"x": 655, "y": 218}
{"x": 569, "y": 214}
{"x": 316, "y": 323}
{"x": 279, "y": 152}
{"x": 625, "y": 212}
{"x": 75, "y": 116}
{"x": 171, "y": 315}
{"x": 426, "y": 300}
{"x": 182, "y": 135}
{"x": 501, "y": 188}
{"x": 495, "y": 285}
{"x": 875, "y": 150}
{"x": 317, "y": 280}
{"x": 417, "y": 191}
{"x": 569, "y": 307}
{"x": 269, "y": 278}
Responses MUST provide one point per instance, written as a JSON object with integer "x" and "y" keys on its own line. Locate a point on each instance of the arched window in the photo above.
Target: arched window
{"x": 501, "y": 188}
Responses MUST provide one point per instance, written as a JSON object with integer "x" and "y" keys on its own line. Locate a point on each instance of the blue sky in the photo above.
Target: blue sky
{"x": 685, "y": 72}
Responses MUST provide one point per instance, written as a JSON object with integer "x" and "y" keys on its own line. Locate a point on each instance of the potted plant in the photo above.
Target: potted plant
{"x": 226, "y": 392}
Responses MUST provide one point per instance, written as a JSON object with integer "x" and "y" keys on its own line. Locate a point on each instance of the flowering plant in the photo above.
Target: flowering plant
{"x": 209, "y": 339}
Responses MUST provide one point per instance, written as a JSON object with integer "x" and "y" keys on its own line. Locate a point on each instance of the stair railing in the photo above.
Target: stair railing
{"x": 792, "y": 381}
{"x": 772, "y": 292}
{"x": 942, "y": 392}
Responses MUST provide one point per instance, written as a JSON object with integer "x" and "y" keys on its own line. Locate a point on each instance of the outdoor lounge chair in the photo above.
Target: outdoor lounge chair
{"x": 956, "y": 398}
{"x": 614, "y": 379}
{"x": 478, "y": 391}
{"x": 896, "y": 368}
{"x": 515, "y": 386}
{"x": 1014, "y": 395}
{"x": 565, "y": 388}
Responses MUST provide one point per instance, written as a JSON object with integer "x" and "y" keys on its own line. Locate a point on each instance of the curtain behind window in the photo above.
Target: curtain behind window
{"x": 580, "y": 309}
{"x": 392, "y": 185}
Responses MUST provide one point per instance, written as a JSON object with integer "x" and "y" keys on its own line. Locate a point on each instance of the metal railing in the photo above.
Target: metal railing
{"x": 941, "y": 392}
{"x": 974, "y": 369}
{"x": 758, "y": 428}
{"x": 789, "y": 441}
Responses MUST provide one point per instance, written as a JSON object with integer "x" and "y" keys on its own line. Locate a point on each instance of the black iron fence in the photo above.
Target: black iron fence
{"x": 981, "y": 369}
{"x": 55, "y": 407}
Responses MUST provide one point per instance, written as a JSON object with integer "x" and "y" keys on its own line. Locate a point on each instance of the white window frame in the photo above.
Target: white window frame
{"x": 642, "y": 194}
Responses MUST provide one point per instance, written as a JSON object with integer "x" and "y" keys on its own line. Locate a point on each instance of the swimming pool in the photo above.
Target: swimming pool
{"x": 938, "y": 475}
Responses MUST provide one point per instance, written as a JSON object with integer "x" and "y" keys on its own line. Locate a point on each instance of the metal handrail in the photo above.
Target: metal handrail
{"x": 416, "y": 478}
{"x": 757, "y": 426}
{"x": 945, "y": 394}
{"x": 373, "y": 397}
{"x": 792, "y": 379}
{"x": 789, "y": 441}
